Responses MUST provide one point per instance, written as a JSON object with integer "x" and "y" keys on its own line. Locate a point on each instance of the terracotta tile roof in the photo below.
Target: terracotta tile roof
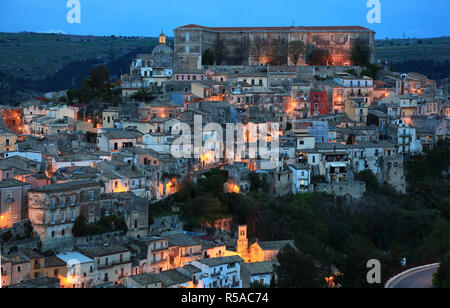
{"x": 259, "y": 268}
{"x": 275, "y": 245}
{"x": 301, "y": 28}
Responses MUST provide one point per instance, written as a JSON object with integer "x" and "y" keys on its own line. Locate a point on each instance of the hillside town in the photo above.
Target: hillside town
{"x": 91, "y": 185}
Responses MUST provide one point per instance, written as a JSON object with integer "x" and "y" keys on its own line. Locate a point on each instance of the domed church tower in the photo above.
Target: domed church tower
{"x": 162, "y": 38}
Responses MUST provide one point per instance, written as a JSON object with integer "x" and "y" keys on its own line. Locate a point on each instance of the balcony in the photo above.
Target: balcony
{"x": 165, "y": 259}
{"x": 159, "y": 249}
{"x": 338, "y": 177}
{"x": 59, "y": 222}
{"x": 336, "y": 159}
{"x": 112, "y": 264}
{"x": 191, "y": 255}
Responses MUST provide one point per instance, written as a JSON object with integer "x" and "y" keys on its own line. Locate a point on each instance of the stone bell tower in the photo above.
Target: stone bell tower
{"x": 242, "y": 242}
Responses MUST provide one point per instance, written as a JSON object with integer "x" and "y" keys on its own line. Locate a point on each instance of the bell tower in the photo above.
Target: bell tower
{"x": 162, "y": 38}
{"x": 242, "y": 242}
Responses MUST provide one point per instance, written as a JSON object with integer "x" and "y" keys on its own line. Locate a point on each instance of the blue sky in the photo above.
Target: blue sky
{"x": 415, "y": 18}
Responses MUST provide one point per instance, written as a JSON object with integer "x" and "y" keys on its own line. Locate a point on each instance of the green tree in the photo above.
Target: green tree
{"x": 360, "y": 53}
{"x": 296, "y": 51}
{"x": 297, "y": 270}
{"x": 441, "y": 279}
{"x": 301, "y": 212}
{"x": 357, "y": 250}
{"x": 213, "y": 181}
{"x": 371, "y": 70}
{"x": 80, "y": 226}
{"x": 438, "y": 243}
{"x": 71, "y": 94}
{"x": 7, "y": 236}
{"x": 143, "y": 95}
{"x": 208, "y": 57}
{"x": 105, "y": 224}
{"x": 352, "y": 72}
{"x": 255, "y": 181}
{"x": 206, "y": 208}
{"x": 219, "y": 47}
{"x": 99, "y": 78}
{"x": 87, "y": 85}
{"x": 318, "y": 56}
{"x": 315, "y": 179}
{"x": 372, "y": 183}
{"x": 288, "y": 126}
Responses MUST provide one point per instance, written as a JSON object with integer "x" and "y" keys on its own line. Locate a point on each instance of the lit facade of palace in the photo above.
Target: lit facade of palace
{"x": 263, "y": 45}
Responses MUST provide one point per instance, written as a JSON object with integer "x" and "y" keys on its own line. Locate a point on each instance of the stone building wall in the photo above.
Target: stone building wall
{"x": 355, "y": 189}
{"x": 261, "y": 46}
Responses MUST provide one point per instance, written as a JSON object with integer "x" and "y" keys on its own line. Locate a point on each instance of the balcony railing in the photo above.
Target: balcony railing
{"x": 165, "y": 259}
{"x": 159, "y": 249}
{"x": 112, "y": 264}
{"x": 194, "y": 254}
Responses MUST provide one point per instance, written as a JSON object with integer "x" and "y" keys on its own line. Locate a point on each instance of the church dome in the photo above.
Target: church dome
{"x": 162, "y": 48}
{"x": 162, "y": 54}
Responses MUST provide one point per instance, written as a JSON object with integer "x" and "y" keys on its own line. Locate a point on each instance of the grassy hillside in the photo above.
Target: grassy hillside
{"x": 427, "y": 56}
{"x": 33, "y": 63}
{"x": 400, "y": 50}
{"x": 36, "y": 56}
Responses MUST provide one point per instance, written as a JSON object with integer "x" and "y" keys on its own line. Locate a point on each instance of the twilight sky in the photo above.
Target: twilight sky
{"x": 415, "y": 18}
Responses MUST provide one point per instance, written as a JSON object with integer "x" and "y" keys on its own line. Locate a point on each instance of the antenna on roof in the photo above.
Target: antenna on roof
{"x": 293, "y": 22}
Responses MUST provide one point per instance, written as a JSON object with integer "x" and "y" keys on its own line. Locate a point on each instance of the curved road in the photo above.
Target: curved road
{"x": 417, "y": 278}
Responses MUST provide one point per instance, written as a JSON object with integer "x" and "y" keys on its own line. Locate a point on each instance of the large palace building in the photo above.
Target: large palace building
{"x": 264, "y": 45}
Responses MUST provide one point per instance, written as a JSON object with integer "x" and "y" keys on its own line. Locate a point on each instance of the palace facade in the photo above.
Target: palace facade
{"x": 263, "y": 45}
